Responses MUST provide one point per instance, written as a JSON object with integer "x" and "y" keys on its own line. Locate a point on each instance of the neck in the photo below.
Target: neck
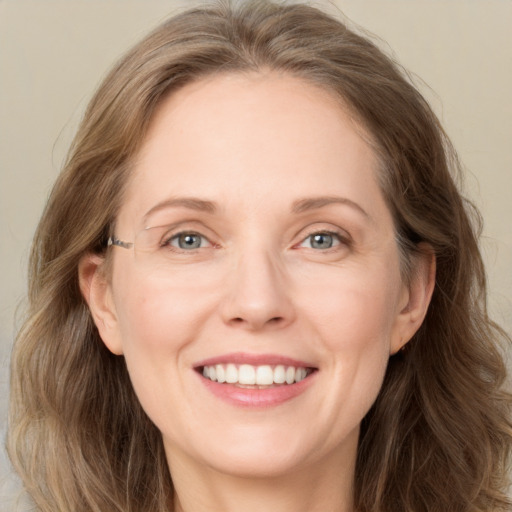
{"x": 321, "y": 487}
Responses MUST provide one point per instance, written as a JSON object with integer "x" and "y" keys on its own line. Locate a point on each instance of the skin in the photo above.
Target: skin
{"x": 255, "y": 144}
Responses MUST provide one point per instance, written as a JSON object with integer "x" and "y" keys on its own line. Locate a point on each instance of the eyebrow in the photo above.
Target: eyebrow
{"x": 192, "y": 203}
{"x": 313, "y": 203}
{"x": 298, "y": 206}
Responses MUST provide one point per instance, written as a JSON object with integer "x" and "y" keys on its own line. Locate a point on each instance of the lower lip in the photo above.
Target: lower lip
{"x": 257, "y": 398}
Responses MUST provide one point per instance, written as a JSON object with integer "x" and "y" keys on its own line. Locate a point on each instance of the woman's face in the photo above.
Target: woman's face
{"x": 277, "y": 262}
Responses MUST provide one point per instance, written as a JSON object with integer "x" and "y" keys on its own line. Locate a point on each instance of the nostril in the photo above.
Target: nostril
{"x": 273, "y": 320}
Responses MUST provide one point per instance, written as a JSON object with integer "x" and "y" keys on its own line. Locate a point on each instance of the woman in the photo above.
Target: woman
{"x": 256, "y": 286}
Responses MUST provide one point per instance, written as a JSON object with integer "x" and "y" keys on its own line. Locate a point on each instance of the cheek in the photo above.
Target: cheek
{"x": 157, "y": 322}
{"x": 354, "y": 320}
{"x": 357, "y": 333}
{"x": 351, "y": 322}
{"x": 153, "y": 317}
{"x": 355, "y": 311}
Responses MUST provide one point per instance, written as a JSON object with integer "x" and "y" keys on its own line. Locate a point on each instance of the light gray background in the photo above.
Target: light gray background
{"x": 54, "y": 53}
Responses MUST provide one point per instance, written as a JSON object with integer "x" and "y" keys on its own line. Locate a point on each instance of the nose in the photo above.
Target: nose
{"x": 257, "y": 294}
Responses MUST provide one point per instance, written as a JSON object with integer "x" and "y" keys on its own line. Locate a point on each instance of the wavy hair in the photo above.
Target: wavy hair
{"x": 437, "y": 438}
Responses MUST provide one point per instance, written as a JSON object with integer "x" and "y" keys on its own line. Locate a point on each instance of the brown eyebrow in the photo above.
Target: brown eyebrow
{"x": 312, "y": 203}
{"x": 298, "y": 206}
{"x": 193, "y": 203}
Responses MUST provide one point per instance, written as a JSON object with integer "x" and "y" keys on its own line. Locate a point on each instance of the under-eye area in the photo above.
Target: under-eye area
{"x": 261, "y": 376}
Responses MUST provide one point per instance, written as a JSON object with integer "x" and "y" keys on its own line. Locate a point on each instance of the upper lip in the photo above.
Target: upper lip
{"x": 254, "y": 360}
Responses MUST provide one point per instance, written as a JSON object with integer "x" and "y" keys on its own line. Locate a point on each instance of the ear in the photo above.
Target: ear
{"x": 97, "y": 292}
{"x": 416, "y": 297}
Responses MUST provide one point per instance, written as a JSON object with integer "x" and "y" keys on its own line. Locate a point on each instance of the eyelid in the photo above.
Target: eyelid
{"x": 342, "y": 235}
{"x": 336, "y": 239}
{"x": 170, "y": 236}
{"x": 173, "y": 230}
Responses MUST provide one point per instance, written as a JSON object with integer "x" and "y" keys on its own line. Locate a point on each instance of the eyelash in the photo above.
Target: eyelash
{"x": 339, "y": 236}
{"x": 166, "y": 244}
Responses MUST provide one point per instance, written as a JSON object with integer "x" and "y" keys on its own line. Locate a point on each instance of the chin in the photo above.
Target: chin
{"x": 258, "y": 466}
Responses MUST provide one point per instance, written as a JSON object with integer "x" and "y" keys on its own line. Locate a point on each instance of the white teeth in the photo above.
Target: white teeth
{"x": 300, "y": 374}
{"x": 279, "y": 374}
{"x": 231, "y": 374}
{"x": 264, "y": 376}
{"x": 219, "y": 370}
{"x": 248, "y": 375}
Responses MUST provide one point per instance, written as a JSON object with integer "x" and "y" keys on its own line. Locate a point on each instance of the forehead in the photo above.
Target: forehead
{"x": 248, "y": 140}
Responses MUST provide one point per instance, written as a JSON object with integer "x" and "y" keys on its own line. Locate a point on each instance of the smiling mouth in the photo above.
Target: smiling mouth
{"x": 255, "y": 377}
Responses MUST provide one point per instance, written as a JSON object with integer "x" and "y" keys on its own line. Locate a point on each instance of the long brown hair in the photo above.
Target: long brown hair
{"x": 438, "y": 437}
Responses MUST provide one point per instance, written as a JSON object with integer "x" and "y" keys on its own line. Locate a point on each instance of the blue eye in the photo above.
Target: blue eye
{"x": 188, "y": 241}
{"x": 321, "y": 240}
